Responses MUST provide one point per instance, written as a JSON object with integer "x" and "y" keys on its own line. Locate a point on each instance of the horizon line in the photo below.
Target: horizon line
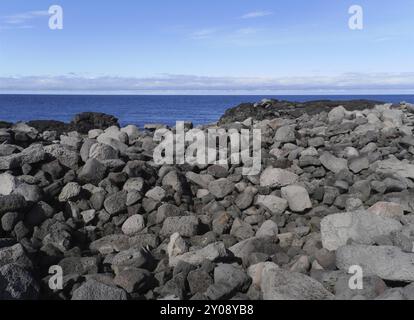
{"x": 410, "y": 93}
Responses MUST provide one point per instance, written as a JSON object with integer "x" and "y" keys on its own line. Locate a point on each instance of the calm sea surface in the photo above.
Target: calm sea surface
{"x": 139, "y": 110}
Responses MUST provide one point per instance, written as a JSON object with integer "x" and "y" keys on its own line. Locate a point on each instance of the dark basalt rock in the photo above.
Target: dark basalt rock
{"x": 86, "y": 121}
{"x": 50, "y": 125}
{"x": 81, "y": 123}
{"x": 270, "y": 109}
{"x": 5, "y": 125}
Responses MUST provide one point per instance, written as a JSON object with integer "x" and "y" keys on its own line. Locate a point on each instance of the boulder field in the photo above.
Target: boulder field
{"x": 335, "y": 191}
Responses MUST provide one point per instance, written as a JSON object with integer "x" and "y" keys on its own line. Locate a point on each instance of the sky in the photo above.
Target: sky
{"x": 207, "y": 47}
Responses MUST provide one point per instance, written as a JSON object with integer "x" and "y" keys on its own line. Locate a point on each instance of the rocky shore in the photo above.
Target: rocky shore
{"x": 335, "y": 192}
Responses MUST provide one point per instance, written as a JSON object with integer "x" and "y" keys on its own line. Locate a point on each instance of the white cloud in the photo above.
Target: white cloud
{"x": 247, "y": 31}
{"x": 347, "y": 83}
{"x": 203, "y": 33}
{"x": 256, "y": 14}
{"x": 21, "y": 19}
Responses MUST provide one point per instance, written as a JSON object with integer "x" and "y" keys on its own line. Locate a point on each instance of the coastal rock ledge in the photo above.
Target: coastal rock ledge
{"x": 334, "y": 192}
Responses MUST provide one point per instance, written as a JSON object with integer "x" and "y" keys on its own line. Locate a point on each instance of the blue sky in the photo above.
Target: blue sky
{"x": 188, "y": 46}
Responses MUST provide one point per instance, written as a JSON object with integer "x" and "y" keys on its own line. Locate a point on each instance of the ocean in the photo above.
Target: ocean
{"x": 139, "y": 110}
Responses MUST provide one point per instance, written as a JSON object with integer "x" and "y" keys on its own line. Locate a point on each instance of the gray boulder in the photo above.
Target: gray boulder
{"x": 297, "y": 197}
{"x": 356, "y": 165}
{"x": 133, "y": 280}
{"x": 110, "y": 244}
{"x": 14, "y": 255}
{"x": 360, "y": 226}
{"x": 280, "y": 284}
{"x": 234, "y": 277}
{"x": 11, "y": 203}
{"x": 8, "y": 184}
{"x": 333, "y": 163}
{"x": 394, "y": 166}
{"x": 116, "y": 203}
{"x": 221, "y": 187}
{"x": 94, "y": 290}
{"x": 133, "y": 224}
{"x": 186, "y": 226}
{"x": 285, "y": 134}
{"x": 70, "y": 191}
{"x": 65, "y": 156}
{"x": 31, "y": 155}
{"x": 386, "y": 262}
{"x": 273, "y": 204}
{"x": 31, "y": 193}
{"x": 337, "y": 115}
{"x": 92, "y": 172}
{"x": 16, "y": 283}
{"x": 211, "y": 252}
{"x": 275, "y": 177}
{"x": 102, "y": 151}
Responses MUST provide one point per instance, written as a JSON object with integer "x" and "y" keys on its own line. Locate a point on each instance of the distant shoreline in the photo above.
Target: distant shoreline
{"x": 142, "y": 109}
{"x": 206, "y": 95}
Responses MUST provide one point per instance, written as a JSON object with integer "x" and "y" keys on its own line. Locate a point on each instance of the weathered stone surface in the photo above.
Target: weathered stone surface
{"x": 92, "y": 172}
{"x": 79, "y": 265}
{"x": 356, "y": 165}
{"x": 134, "y": 257}
{"x": 211, "y": 252}
{"x": 387, "y": 210}
{"x": 269, "y": 228}
{"x": 16, "y": 283}
{"x": 333, "y": 163}
{"x": 272, "y": 203}
{"x": 336, "y": 115}
{"x": 134, "y": 184}
{"x": 297, "y": 197}
{"x": 116, "y": 203}
{"x": 275, "y": 177}
{"x": 221, "y": 187}
{"x": 102, "y": 151}
{"x": 66, "y": 157}
{"x": 244, "y": 248}
{"x": 285, "y": 134}
{"x": 94, "y": 290}
{"x": 110, "y": 244}
{"x": 234, "y": 277}
{"x": 373, "y": 286}
{"x": 14, "y": 255}
{"x": 360, "y": 226}
{"x": 199, "y": 281}
{"x": 394, "y": 166}
{"x": 133, "y": 225}
{"x": 244, "y": 200}
{"x": 13, "y": 202}
{"x": 388, "y": 263}
{"x": 177, "y": 246}
{"x": 280, "y": 284}
{"x": 70, "y": 191}
{"x": 8, "y": 184}
{"x": 202, "y": 180}
{"x": 186, "y": 226}
{"x": 133, "y": 280}
{"x": 156, "y": 194}
{"x": 31, "y": 155}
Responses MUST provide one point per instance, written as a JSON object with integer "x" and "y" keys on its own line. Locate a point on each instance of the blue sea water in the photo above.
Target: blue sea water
{"x": 139, "y": 110}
